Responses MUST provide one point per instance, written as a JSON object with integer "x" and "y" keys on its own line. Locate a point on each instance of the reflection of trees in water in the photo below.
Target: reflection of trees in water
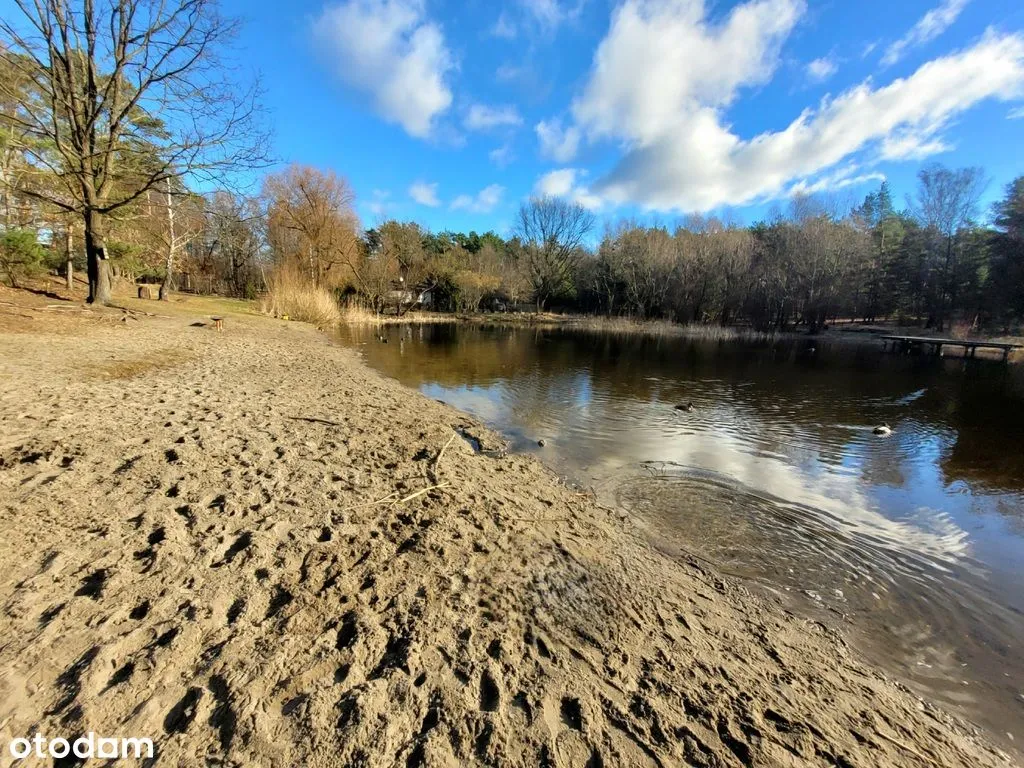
{"x": 988, "y": 453}
{"x": 782, "y": 397}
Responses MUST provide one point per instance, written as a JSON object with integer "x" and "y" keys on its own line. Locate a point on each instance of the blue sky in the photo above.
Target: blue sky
{"x": 451, "y": 113}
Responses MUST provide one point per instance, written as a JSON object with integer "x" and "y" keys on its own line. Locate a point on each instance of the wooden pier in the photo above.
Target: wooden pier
{"x": 910, "y": 344}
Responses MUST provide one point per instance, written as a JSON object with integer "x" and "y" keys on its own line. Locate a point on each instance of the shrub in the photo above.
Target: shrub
{"x": 21, "y": 255}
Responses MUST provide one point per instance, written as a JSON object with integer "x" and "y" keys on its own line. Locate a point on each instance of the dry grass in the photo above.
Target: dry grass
{"x": 623, "y": 325}
{"x": 358, "y": 315}
{"x": 355, "y": 314}
{"x": 666, "y": 328}
{"x": 290, "y": 296}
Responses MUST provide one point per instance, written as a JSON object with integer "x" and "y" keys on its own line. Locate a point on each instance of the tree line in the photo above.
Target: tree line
{"x": 113, "y": 117}
{"x": 930, "y": 263}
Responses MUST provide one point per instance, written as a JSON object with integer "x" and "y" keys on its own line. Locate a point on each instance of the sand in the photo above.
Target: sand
{"x": 256, "y": 551}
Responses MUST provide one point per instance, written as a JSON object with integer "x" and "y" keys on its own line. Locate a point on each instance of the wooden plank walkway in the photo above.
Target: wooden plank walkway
{"x": 912, "y": 343}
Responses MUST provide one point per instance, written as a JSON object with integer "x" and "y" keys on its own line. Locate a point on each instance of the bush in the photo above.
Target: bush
{"x": 21, "y": 255}
{"x": 129, "y": 261}
{"x": 292, "y": 296}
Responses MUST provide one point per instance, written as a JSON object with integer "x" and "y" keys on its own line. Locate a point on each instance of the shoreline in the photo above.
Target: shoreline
{"x": 852, "y": 333}
{"x": 249, "y": 546}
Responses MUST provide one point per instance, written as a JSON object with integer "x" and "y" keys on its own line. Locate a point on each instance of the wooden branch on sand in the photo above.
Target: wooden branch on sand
{"x": 432, "y": 470}
{"x": 428, "y": 489}
{"x": 396, "y": 502}
{"x": 316, "y": 420}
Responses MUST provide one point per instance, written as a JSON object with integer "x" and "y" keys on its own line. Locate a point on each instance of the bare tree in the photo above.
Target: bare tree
{"x": 552, "y": 231}
{"x": 946, "y": 201}
{"x": 232, "y": 242}
{"x": 172, "y": 245}
{"x": 171, "y": 219}
{"x": 126, "y": 94}
{"x": 311, "y": 222}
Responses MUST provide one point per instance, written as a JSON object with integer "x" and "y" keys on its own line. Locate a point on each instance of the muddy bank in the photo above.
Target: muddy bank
{"x": 255, "y": 551}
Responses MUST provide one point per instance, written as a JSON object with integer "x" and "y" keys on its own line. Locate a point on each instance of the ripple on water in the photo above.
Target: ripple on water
{"x": 908, "y": 590}
{"x": 915, "y": 538}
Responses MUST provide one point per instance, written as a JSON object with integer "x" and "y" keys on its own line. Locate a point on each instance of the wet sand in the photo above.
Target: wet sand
{"x": 254, "y": 550}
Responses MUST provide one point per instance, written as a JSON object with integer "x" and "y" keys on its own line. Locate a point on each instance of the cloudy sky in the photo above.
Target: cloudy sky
{"x": 451, "y": 113}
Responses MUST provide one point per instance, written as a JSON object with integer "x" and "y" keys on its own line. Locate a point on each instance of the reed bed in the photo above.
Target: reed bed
{"x": 359, "y": 315}
{"x": 356, "y": 314}
{"x": 291, "y": 296}
{"x": 628, "y": 325}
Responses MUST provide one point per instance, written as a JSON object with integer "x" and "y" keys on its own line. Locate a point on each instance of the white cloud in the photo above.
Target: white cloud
{"x": 564, "y": 183}
{"x": 912, "y": 144}
{"x": 661, "y": 57}
{"x": 703, "y": 164}
{"x": 424, "y": 194}
{"x": 1016, "y": 114}
{"x": 928, "y": 27}
{"x": 481, "y": 117}
{"x": 822, "y": 69}
{"x": 506, "y": 73}
{"x": 378, "y": 205}
{"x": 664, "y": 76}
{"x": 389, "y": 51}
{"x": 484, "y": 201}
{"x": 504, "y": 27}
{"x": 844, "y": 177}
{"x": 549, "y": 14}
{"x": 501, "y": 156}
{"x": 556, "y": 183}
{"x": 557, "y": 143}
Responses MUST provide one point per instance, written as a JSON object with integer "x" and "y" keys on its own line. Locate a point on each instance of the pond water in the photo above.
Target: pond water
{"x": 913, "y": 543}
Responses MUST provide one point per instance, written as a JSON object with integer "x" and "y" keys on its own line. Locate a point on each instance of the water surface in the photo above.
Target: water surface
{"x": 914, "y": 542}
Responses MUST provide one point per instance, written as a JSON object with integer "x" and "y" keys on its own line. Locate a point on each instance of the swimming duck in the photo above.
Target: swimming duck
{"x": 883, "y": 429}
{"x": 689, "y": 408}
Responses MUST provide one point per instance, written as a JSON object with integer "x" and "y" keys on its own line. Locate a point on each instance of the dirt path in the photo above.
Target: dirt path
{"x": 252, "y": 549}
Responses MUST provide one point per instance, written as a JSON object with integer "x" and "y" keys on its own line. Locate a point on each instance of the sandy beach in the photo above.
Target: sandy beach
{"x": 254, "y": 550}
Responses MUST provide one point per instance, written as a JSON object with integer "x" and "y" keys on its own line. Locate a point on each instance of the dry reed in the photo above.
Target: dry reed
{"x": 291, "y": 296}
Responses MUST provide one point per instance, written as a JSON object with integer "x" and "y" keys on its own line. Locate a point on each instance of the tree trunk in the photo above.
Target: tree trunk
{"x": 98, "y": 266}
{"x": 69, "y": 267}
{"x": 165, "y": 286}
{"x": 943, "y": 284}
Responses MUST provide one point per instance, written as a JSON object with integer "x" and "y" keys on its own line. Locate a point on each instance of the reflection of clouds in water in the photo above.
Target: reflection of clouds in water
{"x": 837, "y": 491}
{"x": 486, "y": 403}
{"x": 604, "y": 435}
{"x": 810, "y": 500}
